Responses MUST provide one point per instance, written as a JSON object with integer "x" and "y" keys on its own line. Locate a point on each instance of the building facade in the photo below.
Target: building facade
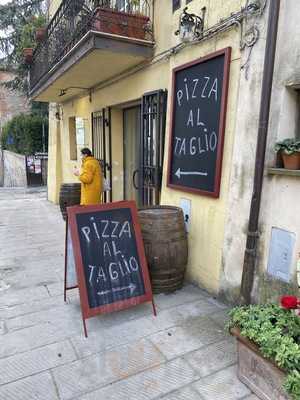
{"x": 121, "y": 78}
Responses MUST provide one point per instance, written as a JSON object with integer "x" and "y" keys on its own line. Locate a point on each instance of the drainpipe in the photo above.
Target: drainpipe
{"x": 250, "y": 256}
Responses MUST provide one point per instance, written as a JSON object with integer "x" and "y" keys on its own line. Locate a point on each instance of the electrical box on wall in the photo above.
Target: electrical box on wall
{"x": 280, "y": 254}
{"x": 185, "y": 204}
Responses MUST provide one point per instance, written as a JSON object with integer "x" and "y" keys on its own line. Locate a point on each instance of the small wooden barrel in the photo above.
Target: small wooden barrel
{"x": 166, "y": 246}
{"x": 69, "y": 195}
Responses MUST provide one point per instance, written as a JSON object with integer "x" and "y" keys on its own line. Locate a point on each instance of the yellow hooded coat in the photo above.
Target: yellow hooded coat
{"x": 91, "y": 182}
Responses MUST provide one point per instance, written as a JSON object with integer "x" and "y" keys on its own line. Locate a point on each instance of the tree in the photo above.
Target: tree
{"x": 23, "y": 134}
{"x": 18, "y": 22}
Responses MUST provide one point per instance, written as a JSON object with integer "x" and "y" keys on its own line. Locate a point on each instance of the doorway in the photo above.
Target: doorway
{"x": 131, "y": 141}
{"x": 143, "y": 135}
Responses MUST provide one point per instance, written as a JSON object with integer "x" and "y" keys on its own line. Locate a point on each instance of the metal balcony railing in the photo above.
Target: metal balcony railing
{"x": 74, "y": 18}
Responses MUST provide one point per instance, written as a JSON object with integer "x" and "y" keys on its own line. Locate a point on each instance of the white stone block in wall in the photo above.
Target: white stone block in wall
{"x": 14, "y": 169}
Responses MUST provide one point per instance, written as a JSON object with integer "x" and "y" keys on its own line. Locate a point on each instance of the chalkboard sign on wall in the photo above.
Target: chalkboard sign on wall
{"x": 199, "y": 100}
{"x": 110, "y": 260}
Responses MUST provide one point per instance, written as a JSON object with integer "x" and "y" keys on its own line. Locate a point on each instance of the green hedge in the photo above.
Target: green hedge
{"x": 23, "y": 134}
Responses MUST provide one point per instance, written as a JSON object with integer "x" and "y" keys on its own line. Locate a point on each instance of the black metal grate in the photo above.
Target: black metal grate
{"x": 101, "y": 137}
{"x": 153, "y": 123}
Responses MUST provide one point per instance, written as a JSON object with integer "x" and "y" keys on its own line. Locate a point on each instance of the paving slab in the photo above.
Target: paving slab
{"x": 101, "y": 369}
{"x": 37, "y": 387}
{"x": 197, "y": 309}
{"x": 64, "y": 316}
{"x": 187, "y": 393}
{"x": 116, "y": 335}
{"x": 35, "y": 361}
{"x": 176, "y": 341}
{"x": 7, "y": 312}
{"x": 12, "y": 296}
{"x": 223, "y": 385}
{"x": 188, "y": 294}
{"x": 220, "y": 317}
{"x": 148, "y": 385}
{"x": 213, "y": 358}
{"x": 3, "y": 328}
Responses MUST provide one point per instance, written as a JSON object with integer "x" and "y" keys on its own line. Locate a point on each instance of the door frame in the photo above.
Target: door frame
{"x": 137, "y": 104}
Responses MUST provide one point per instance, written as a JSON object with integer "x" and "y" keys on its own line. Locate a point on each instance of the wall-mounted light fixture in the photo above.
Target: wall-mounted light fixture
{"x": 64, "y": 91}
{"x": 254, "y": 6}
{"x": 58, "y": 112}
{"x": 190, "y": 25}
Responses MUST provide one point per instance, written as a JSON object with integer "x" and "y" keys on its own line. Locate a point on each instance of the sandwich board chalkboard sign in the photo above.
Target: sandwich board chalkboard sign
{"x": 110, "y": 260}
{"x": 199, "y": 101}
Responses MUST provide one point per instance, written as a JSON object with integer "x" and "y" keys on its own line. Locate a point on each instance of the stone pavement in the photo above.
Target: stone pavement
{"x": 182, "y": 354}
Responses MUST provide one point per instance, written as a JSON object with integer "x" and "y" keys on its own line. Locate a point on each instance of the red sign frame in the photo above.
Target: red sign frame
{"x": 88, "y": 312}
{"x": 227, "y": 53}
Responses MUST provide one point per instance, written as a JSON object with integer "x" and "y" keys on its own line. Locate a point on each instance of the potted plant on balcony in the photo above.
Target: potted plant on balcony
{"x": 289, "y": 151}
{"x": 120, "y": 22}
{"x": 40, "y": 33}
{"x": 28, "y": 54}
{"x": 268, "y": 338}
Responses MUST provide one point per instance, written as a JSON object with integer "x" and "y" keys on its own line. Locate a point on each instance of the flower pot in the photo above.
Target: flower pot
{"x": 291, "y": 161}
{"x": 120, "y": 23}
{"x": 40, "y": 34}
{"x": 28, "y": 55}
{"x": 262, "y": 376}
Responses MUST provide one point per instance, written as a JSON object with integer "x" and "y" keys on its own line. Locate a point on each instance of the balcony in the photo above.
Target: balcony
{"x": 88, "y": 42}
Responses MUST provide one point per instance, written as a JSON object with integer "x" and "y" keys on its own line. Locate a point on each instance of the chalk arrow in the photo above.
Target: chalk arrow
{"x": 103, "y": 293}
{"x": 131, "y": 287}
{"x": 178, "y": 173}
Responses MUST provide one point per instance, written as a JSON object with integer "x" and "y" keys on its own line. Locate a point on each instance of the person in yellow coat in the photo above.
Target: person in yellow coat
{"x": 91, "y": 179}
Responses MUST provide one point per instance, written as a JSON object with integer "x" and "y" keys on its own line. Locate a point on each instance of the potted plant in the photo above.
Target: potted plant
{"x": 28, "y": 54}
{"x": 289, "y": 150}
{"x": 40, "y": 33}
{"x": 268, "y": 338}
{"x": 121, "y": 22}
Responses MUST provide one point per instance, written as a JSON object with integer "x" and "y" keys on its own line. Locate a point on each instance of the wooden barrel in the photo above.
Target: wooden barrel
{"x": 69, "y": 195}
{"x": 166, "y": 247}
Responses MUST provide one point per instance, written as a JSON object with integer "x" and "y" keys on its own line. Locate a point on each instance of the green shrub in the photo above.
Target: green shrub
{"x": 24, "y": 134}
{"x": 276, "y": 331}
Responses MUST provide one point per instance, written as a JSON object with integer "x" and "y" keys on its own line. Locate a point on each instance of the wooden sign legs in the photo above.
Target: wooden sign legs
{"x": 70, "y": 264}
{"x": 70, "y": 280}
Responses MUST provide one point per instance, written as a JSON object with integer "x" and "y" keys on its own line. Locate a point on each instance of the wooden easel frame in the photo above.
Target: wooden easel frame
{"x": 66, "y": 264}
{"x": 86, "y": 310}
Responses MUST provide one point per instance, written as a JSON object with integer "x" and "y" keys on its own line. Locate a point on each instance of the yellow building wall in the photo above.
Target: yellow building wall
{"x": 208, "y": 215}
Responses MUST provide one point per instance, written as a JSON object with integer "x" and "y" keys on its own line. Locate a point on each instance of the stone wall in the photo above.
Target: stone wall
{"x": 14, "y": 170}
{"x": 11, "y": 102}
